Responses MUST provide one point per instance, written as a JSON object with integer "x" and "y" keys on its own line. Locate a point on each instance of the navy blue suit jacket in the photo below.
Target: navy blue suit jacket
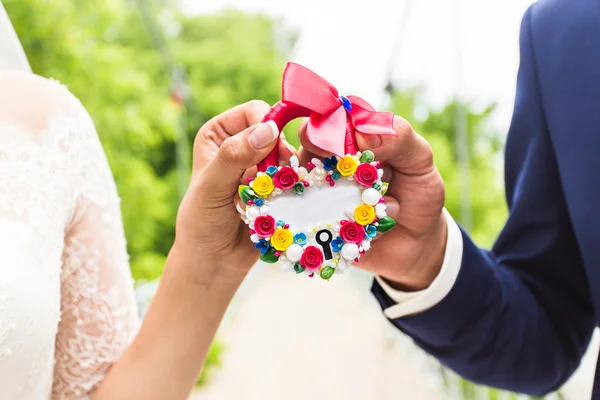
{"x": 520, "y": 316}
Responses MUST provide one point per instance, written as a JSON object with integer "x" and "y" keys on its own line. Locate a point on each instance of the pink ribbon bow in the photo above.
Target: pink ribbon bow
{"x": 332, "y": 118}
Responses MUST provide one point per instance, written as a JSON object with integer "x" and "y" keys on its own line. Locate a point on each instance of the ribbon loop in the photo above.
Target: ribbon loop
{"x": 332, "y": 118}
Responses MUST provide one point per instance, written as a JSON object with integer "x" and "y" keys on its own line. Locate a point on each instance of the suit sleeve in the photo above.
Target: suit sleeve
{"x": 519, "y": 317}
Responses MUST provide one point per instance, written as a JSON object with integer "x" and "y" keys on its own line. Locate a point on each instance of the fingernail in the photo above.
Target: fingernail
{"x": 240, "y": 209}
{"x": 392, "y": 207}
{"x": 263, "y": 135}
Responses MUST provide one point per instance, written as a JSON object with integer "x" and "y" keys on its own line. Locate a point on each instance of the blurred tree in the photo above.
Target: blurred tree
{"x": 437, "y": 126}
{"x": 107, "y": 57}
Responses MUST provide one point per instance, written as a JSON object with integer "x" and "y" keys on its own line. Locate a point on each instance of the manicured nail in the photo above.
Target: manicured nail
{"x": 263, "y": 135}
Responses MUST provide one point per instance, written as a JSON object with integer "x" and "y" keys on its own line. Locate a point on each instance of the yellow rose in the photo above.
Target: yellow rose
{"x": 364, "y": 214}
{"x": 263, "y": 185}
{"x": 347, "y": 165}
{"x": 282, "y": 239}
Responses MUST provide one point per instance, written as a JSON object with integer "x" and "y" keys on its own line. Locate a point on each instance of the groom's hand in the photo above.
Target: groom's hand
{"x": 410, "y": 255}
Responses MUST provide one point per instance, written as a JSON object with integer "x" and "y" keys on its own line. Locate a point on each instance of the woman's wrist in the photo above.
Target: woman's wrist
{"x": 190, "y": 263}
{"x": 177, "y": 330}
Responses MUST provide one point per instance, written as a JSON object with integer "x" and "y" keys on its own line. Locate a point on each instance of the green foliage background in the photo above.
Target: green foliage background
{"x": 106, "y": 55}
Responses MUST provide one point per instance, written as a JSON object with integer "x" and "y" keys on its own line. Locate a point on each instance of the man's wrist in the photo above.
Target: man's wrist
{"x": 407, "y": 300}
{"x": 428, "y": 264}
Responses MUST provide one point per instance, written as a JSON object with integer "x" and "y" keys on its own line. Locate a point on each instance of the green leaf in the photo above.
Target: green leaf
{"x": 384, "y": 188}
{"x": 269, "y": 257}
{"x": 244, "y": 192}
{"x": 298, "y": 268}
{"x": 367, "y": 156}
{"x": 385, "y": 224}
{"x": 327, "y": 273}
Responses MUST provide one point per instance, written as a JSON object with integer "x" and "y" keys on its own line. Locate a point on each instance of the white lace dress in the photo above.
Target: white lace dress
{"x": 67, "y": 308}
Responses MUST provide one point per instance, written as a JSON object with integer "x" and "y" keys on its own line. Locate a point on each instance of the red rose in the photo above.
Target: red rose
{"x": 285, "y": 178}
{"x": 352, "y": 232}
{"x": 312, "y": 258}
{"x": 366, "y": 174}
{"x": 264, "y": 226}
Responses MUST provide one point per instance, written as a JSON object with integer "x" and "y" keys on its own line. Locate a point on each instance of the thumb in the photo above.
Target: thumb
{"x": 238, "y": 153}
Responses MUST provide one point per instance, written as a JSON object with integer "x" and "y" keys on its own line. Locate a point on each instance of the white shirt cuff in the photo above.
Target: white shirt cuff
{"x": 409, "y": 303}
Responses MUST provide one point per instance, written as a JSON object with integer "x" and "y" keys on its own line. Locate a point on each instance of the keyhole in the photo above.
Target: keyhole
{"x": 324, "y": 238}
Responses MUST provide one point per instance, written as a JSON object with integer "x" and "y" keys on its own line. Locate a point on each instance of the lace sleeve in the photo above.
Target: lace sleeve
{"x": 98, "y": 310}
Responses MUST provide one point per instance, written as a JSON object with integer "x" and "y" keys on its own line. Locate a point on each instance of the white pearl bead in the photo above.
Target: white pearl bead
{"x": 366, "y": 245}
{"x": 294, "y": 252}
{"x": 370, "y": 196}
{"x": 380, "y": 210}
{"x": 252, "y": 213}
{"x": 349, "y": 251}
{"x": 255, "y": 238}
{"x": 319, "y": 173}
{"x": 264, "y": 210}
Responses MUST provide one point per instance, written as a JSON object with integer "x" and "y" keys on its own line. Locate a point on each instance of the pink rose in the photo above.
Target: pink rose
{"x": 285, "y": 178}
{"x": 264, "y": 226}
{"x": 312, "y": 258}
{"x": 366, "y": 174}
{"x": 352, "y": 232}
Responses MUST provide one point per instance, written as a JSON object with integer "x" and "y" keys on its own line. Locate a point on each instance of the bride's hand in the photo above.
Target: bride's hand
{"x": 208, "y": 225}
{"x": 208, "y": 261}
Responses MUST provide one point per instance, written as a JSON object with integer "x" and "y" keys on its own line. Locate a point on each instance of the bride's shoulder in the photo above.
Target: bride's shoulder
{"x": 29, "y": 101}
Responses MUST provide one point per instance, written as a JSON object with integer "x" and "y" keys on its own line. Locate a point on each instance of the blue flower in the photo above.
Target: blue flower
{"x": 336, "y": 175}
{"x": 346, "y": 103}
{"x": 271, "y": 170}
{"x": 371, "y": 231}
{"x": 281, "y": 223}
{"x": 259, "y": 202}
{"x": 337, "y": 244}
{"x": 300, "y": 238}
{"x": 330, "y": 163}
{"x": 262, "y": 245}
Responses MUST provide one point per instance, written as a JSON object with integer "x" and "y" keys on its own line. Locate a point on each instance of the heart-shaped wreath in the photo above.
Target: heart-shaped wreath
{"x": 327, "y": 244}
